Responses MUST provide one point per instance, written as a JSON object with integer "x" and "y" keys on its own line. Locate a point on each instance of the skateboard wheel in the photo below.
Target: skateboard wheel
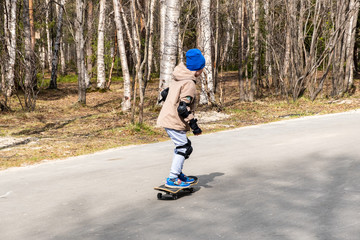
{"x": 159, "y": 196}
{"x": 191, "y": 190}
{"x": 174, "y": 197}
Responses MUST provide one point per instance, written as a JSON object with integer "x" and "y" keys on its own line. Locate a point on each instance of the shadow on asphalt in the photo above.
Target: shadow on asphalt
{"x": 305, "y": 197}
{"x": 205, "y": 180}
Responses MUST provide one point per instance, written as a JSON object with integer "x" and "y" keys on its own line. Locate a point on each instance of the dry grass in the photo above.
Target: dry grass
{"x": 63, "y": 128}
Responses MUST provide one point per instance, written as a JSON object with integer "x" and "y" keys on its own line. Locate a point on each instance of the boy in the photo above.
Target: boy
{"x": 177, "y": 114}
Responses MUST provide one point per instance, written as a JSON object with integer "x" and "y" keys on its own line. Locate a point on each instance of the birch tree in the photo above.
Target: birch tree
{"x": 152, "y": 5}
{"x": 62, "y": 56}
{"x": 31, "y": 22}
{"x": 205, "y": 18}
{"x": 268, "y": 32}
{"x": 101, "y": 81}
{"x": 168, "y": 58}
{"x": 243, "y": 49}
{"x": 126, "y": 103}
{"x": 47, "y": 29}
{"x": 162, "y": 17}
{"x": 350, "y": 43}
{"x": 89, "y": 25}
{"x": 61, "y": 42}
{"x": 10, "y": 45}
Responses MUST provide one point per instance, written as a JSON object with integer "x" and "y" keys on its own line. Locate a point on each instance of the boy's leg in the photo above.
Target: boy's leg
{"x": 179, "y": 138}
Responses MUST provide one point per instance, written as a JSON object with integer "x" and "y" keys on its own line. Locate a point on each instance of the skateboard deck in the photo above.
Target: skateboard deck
{"x": 173, "y": 192}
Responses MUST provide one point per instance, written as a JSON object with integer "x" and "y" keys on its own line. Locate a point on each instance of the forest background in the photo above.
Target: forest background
{"x": 78, "y": 76}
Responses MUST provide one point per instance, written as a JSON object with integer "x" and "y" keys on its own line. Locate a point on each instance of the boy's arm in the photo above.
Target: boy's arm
{"x": 185, "y": 103}
{"x": 186, "y": 98}
{"x": 184, "y": 112}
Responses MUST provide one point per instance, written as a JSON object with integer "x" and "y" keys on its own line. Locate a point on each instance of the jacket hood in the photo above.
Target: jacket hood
{"x": 181, "y": 73}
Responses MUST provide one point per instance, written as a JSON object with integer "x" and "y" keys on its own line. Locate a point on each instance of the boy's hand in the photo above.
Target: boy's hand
{"x": 195, "y": 127}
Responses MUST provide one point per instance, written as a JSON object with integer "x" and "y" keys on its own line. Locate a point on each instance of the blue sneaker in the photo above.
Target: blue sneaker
{"x": 176, "y": 183}
{"x": 186, "y": 179}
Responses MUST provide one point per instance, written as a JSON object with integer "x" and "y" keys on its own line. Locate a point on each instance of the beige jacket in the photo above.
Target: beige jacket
{"x": 182, "y": 88}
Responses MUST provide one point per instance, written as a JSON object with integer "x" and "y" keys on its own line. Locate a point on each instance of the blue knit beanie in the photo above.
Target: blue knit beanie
{"x": 194, "y": 60}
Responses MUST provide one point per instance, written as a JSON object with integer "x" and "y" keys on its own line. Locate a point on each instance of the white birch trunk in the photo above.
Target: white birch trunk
{"x": 89, "y": 52}
{"x": 162, "y": 26}
{"x": 62, "y": 57}
{"x": 101, "y": 81}
{"x": 42, "y": 57}
{"x": 168, "y": 60}
{"x": 126, "y": 103}
{"x": 68, "y": 53}
{"x": 10, "y": 48}
{"x": 151, "y": 33}
{"x": 268, "y": 30}
{"x": 28, "y": 56}
{"x": 48, "y": 38}
{"x": 206, "y": 36}
{"x": 180, "y": 49}
{"x": 351, "y": 32}
{"x": 200, "y": 44}
{"x": 62, "y": 52}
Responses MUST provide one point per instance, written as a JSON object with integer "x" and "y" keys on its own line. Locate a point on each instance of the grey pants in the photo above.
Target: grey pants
{"x": 179, "y": 138}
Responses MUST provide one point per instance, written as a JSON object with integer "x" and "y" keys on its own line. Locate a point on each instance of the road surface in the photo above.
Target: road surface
{"x": 295, "y": 179}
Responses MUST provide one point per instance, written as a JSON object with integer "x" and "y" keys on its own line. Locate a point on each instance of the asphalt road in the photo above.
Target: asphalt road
{"x": 296, "y": 179}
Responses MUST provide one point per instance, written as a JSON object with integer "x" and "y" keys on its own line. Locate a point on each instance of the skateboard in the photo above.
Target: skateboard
{"x": 173, "y": 192}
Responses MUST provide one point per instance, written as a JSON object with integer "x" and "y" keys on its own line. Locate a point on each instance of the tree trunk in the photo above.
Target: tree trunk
{"x": 55, "y": 60}
{"x": 243, "y": 49}
{"x": 62, "y": 57}
{"x": 268, "y": 32}
{"x": 139, "y": 65}
{"x": 162, "y": 28}
{"x": 79, "y": 42}
{"x": 256, "y": 52}
{"x": 42, "y": 57}
{"x": 10, "y": 45}
{"x": 126, "y": 103}
{"x": 62, "y": 53}
{"x": 48, "y": 37}
{"x": 31, "y": 19}
{"x": 216, "y": 45}
{"x": 286, "y": 62}
{"x": 206, "y": 35}
{"x": 350, "y": 44}
{"x": 168, "y": 59}
{"x": 339, "y": 51}
{"x": 113, "y": 56}
{"x": 151, "y": 33}
{"x": 101, "y": 81}
{"x": 30, "y": 99}
{"x": 89, "y": 24}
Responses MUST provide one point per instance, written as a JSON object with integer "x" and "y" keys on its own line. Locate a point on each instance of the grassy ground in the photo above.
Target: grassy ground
{"x": 63, "y": 128}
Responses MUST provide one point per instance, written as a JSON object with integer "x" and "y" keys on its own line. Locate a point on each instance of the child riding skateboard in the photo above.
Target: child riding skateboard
{"x": 177, "y": 114}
